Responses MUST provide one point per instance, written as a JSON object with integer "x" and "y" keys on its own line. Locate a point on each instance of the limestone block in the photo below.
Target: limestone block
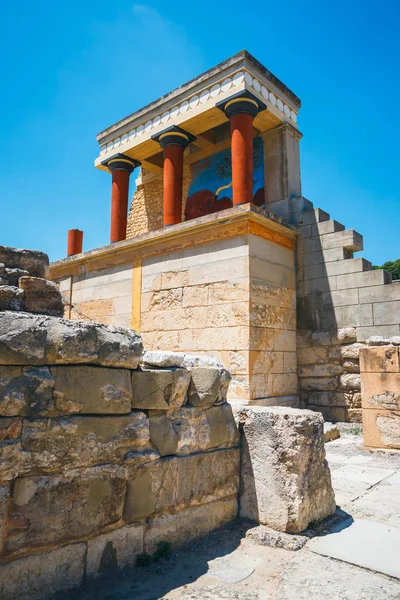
{"x": 318, "y": 383}
{"x": 181, "y": 481}
{"x": 380, "y": 359}
{"x": 349, "y": 239}
{"x": 321, "y": 370}
{"x": 380, "y": 390}
{"x": 159, "y": 389}
{"x": 163, "y": 359}
{"x": 264, "y": 315}
{"x": 331, "y": 432}
{"x": 52, "y": 509}
{"x": 381, "y": 428}
{"x": 189, "y": 523}
{"x": 27, "y": 339}
{"x": 227, "y": 291}
{"x": 41, "y": 296}
{"x": 331, "y": 413}
{"x": 10, "y": 428}
{"x": 84, "y": 441}
{"x": 385, "y": 313}
{"x": 42, "y": 575}
{"x": 114, "y": 550}
{"x": 326, "y": 398}
{"x": 324, "y": 227}
{"x": 310, "y": 355}
{"x": 286, "y": 481}
{"x": 350, "y": 380}
{"x": 207, "y": 386}
{"x": 351, "y": 351}
{"x": 351, "y": 365}
{"x": 191, "y": 429}
{"x": 379, "y": 293}
{"x": 381, "y": 331}
{"x": 36, "y": 263}
{"x": 13, "y": 275}
{"x": 196, "y": 295}
{"x": 13, "y": 460}
{"x": 92, "y": 390}
{"x": 26, "y": 391}
{"x": 324, "y": 256}
{"x": 365, "y": 279}
{"x": 11, "y": 298}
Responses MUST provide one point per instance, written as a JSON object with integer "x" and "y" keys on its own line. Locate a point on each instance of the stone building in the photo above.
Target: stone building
{"x": 220, "y": 252}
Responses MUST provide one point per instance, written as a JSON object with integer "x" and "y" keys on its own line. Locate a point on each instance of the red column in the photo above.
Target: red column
{"x": 75, "y": 239}
{"x": 242, "y": 158}
{"x": 119, "y": 205}
{"x": 173, "y": 141}
{"x": 173, "y": 175}
{"x": 121, "y": 166}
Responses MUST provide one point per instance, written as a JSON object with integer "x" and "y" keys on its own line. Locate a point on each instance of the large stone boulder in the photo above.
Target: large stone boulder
{"x": 34, "y": 262}
{"x": 286, "y": 482}
{"x": 41, "y": 296}
{"x": 28, "y": 339}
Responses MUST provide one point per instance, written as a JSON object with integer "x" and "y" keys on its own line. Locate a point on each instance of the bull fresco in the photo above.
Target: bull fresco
{"x": 211, "y": 182}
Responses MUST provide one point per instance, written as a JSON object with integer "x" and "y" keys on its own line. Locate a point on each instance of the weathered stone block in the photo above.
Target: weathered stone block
{"x": 181, "y": 481}
{"x": 26, "y": 391}
{"x": 10, "y": 428}
{"x": 189, "y": 524}
{"x": 36, "y": 263}
{"x": 114, "y": 550}
{"x": 41, "y": 296}
{"x": 184, "y": 360}
{"x": 325, "y": 398}
{"x": 208, "y": 386}
{"x": 322, "y": 370}
{"x": 13, "y": 460}
{"x": 68, "y": 442}
{"x": 159, "y": 389}
{"x": 380, "y": 390}
{"x": 48, "y": 509}
{"x": 381, "y": 428}
{"x": 380, "y": 359}
{"x": 27, "y": 339}
{"x": 286, "y": 481}
{"x": 11, "y": 298}
{"x": 191, "y": 429}
{"x": 105, "y": 391}
{"x": 349, "y": 381}
{"x": 42, "y": 575}
{"x": 318, "y": 383}
{"x": 13, "y": 276}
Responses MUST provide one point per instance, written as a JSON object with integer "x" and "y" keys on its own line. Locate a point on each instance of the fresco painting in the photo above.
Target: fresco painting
{"x": 211, "y": 182}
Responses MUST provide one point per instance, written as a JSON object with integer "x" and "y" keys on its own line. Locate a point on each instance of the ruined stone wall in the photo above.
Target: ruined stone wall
{"x": 341, "y": 302}
{"x": 104, "y": 452}
{"x": 380, "y": 391}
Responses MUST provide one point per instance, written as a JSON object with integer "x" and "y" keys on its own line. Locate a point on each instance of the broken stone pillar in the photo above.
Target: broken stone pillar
{"x": 285, "y": 479}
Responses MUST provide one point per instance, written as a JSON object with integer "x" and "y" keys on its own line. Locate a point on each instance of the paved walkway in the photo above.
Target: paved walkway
{"x": 357, "y": 559}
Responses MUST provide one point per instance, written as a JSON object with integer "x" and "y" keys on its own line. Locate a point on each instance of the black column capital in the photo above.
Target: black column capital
{"x": 243, "y": 102}
{"x": 121, "y": 162}
{"x": 173, "y": 136}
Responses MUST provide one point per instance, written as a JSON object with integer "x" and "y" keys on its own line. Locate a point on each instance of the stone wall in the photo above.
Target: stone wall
{"x": 341, "y": 302}
{"x": 104, "y": 452}
{"x": 380, "y": 390}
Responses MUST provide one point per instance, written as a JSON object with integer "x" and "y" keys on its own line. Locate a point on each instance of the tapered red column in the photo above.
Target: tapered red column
{"x": 241, "y": 110}
{"x": 75, "y": 239}
{"x": 242, "y": 158}
{"x": 173, "y": 141}
{"x": 121, "y": 167}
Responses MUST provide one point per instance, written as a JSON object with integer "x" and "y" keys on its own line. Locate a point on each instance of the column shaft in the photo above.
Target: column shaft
{"x": 75, "y": 239}
{"x": 173, "y": 175}
{"x": 119, "y": 205}
{"x": 242, "y": 157}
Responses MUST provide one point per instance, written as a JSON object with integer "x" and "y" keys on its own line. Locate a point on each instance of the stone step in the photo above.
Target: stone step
{"x": 349, "y": 239}
{"x": 330, "y": 269}
{"x": 363, "y": 279}
{"x": 325, "y": 227}
{"x": 311, "y": 217}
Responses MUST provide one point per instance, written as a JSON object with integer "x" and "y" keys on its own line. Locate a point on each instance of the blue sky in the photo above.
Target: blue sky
{"x": 70, "y": 69}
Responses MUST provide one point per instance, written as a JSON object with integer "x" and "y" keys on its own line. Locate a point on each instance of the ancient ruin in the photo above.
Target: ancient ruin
{"x": 172, "y": 382}
{"x": 220, "y": 252}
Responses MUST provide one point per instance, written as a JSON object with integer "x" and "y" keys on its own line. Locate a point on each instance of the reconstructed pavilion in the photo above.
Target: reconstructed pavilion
{"x": 220, "y": 253}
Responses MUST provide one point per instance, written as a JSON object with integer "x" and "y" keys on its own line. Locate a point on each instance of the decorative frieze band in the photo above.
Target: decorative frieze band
{"x": 168, "y": 116}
